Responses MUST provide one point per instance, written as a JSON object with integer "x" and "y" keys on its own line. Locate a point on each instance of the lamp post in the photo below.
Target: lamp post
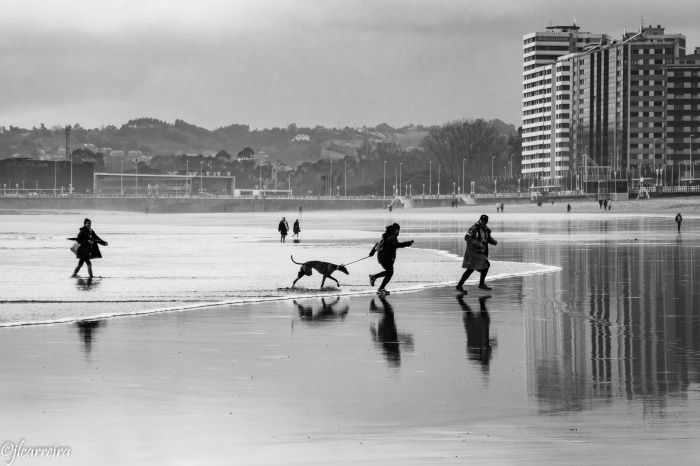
{"x": 345, "y": 193}
{"x": 121, "y": 178}
{"x": 384, "y": 195}
{"x": 260, "y": 182}
{"x": 137, "y": 176}
{"x": 463, "y": 174}
{"x": 400, "y": 164}
{"x": 438, "y": 186}
{"x": 493, "y": 157}
{"x": 430, "y": 179}
{"x": 330, "y": 181}
{"x": 201, "y": 176}
{"x": 691, "y": 168}
{"x": 511, "y": 166}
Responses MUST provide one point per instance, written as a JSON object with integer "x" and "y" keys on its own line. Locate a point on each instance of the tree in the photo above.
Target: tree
{"x": 246, "y": 153}
{"x": 474, "y": 141}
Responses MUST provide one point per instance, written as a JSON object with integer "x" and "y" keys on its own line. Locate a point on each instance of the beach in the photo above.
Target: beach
{"x": 192, "y": 349}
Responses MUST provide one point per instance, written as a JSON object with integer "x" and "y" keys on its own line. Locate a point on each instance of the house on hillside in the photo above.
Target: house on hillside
{"x": 301, "y": 138}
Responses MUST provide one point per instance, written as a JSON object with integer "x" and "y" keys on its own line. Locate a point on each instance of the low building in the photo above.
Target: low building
{"x": 131, "y": 184}
{"x": 23, "y": 174}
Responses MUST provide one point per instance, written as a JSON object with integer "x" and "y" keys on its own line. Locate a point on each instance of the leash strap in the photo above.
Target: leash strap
{"x": 358, "y": 260}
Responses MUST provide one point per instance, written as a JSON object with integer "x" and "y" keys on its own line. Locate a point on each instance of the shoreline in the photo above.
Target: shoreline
{"x": 278, "y": 205}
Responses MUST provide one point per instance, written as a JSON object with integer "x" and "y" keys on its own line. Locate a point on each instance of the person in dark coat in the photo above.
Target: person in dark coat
{"x": 476, "y": 256}
{"x": 679, "y": 219}
{"x": 386, "y": 255}
{"x": 568, "y": 208}
{"x": 283, "y": 228}
{"x": 296, "y": 228}
{"x": 88, "y": 248}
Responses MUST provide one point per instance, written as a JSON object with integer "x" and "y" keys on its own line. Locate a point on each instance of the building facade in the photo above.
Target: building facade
{"x": 610, "y": 114}
{"x": 22, "y": 175}
{"x": 683, "y": 116}
{"x": 547, "y": 100}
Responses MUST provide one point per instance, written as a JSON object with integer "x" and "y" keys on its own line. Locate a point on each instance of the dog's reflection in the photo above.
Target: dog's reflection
{"x": 87, "y": 329}
{"x": 477, "y": 327}
{"x": 326, "y": 313}
{"x": 385, "y": 335}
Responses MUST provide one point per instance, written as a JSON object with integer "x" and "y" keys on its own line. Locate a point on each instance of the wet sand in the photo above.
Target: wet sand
{"x": 597, "y": 363}
{"x": 420, "y": 378}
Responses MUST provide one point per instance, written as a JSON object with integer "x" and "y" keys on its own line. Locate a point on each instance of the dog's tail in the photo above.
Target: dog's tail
{"x": 297, "y": 263}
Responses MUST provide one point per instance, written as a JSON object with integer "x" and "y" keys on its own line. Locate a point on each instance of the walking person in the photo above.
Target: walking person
{"x": 679, "y": 219}
{"x": 568, "y": 208}
{"x": 476, "y": 256}
{"x": 88, "y": 248}
{"x": 386, "y": 255}
{"x": 502, "y": 206}
{"x": 295, "y": 228}
{"x": 283, "y": 228}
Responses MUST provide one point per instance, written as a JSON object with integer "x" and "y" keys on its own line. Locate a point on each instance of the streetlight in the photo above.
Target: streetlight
{"x": 691, "y": 168}
{"x": 137, "y": 176}
{"x": 493, "y": 157}
{"x": 330, "y": 181}
{"x": 385, "y": 178}
{"x": 430, "y": 180}
{"x": 201, "y": 176}
{"x": 400, "y": 163}
{"x": 463, "y": 175}
{"x": 121, "y": 178}
{"x": 511, "y": 165}
{"x": 438, "y": 186}
{"x": 346, "y": 179}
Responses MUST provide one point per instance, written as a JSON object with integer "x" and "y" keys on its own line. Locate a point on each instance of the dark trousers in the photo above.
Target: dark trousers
{"x": 387, "y": 274}
{"x": 80, "y": 264}
{"x": 679, "y": 226}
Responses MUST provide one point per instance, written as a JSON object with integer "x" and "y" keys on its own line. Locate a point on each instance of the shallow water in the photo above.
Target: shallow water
{"x": 596, "y": 362}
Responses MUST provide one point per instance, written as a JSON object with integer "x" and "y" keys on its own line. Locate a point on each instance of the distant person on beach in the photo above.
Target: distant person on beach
{"x": 498, "y": 207}
{"x": 568, "y": 208}
{"x": 600, "y": 203}
{"x": 502, "y": 207}
{"x": 679, "y": 219}
{"x": 386, "y": 255}
{"x": 610, "y": 205}
{"x": 605, "y": 204}
{"x": 295, "y": 228}
{"x": 88, "y": 248}
{"x": 390, "y": 208}
{"x": 476, "y": 256}
{"x": 283, "y": 228}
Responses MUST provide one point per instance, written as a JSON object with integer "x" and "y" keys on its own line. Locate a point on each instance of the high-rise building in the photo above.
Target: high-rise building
{"x": 683, "y": 116}
{"x": 610, "y": 115}
{"x": 546, "y": 98}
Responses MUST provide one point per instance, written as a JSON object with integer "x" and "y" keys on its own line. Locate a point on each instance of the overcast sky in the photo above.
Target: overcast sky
{"x": 271, "y": 62}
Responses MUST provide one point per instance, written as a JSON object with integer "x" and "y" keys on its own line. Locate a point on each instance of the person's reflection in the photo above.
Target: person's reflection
{"x": 328, "y": 312}
{"x": 87, "y": 330}
{"x": 86, "y": 284}
{"x": 476, "y": 327}
{"x": 385, "y": 335}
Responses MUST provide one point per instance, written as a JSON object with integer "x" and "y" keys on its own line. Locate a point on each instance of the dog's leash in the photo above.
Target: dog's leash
{"x": 358, "y": 260}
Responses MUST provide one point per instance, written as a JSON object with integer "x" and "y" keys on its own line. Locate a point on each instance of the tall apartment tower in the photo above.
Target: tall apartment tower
{"x": 683, "y": 117}
{"x": 547, "y": 99}
{"x": 618, "y": 94}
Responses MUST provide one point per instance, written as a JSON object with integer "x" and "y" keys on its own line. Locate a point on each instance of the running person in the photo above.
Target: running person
{"x": 476, "y": 256}
{"x": 386, "y": 255}
{"x": 88, "y": 247}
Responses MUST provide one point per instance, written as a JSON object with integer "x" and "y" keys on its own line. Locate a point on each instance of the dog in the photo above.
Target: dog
{"x": 324, "y": 268}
